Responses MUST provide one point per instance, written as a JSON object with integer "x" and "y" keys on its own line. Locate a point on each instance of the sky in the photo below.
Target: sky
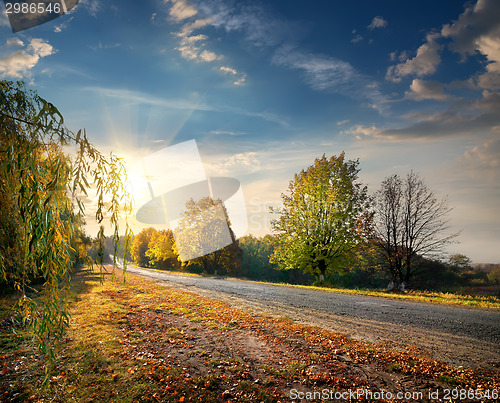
{"x": 265, "y": 87}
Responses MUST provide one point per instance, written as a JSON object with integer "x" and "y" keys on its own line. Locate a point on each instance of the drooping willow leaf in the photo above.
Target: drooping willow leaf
{"x": 41, "y": 210}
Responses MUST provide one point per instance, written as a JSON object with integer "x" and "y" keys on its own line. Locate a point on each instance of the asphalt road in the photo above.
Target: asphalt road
{"x": 460, "y": 335}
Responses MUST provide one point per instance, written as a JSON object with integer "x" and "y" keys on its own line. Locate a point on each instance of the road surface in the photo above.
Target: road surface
{"x": 458, "y": 335}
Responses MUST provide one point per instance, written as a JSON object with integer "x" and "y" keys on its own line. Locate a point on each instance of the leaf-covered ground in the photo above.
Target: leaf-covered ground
{"x": 141, "y": 341}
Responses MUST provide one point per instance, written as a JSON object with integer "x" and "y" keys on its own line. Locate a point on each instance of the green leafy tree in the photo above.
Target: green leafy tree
{"x": 140, "y": 246}
{"x": 161, "y": 252}
{"x": 494, "y": 275}
{"x": 324, "y": 216}
{"x": 257, "y": 252}
{"x": 460, "y": 262}
{"x": 41, "y": 188}
{"x": 367, "y": 268}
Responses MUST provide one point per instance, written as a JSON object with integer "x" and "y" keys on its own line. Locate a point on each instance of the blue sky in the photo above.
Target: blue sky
{"x": 265, "y": 87}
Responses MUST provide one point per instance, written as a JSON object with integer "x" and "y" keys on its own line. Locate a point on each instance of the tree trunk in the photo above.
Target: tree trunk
{"x": 322, "y": 270}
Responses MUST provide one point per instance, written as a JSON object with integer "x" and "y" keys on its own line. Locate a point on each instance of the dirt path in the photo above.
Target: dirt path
{"x": 457, "y": 350}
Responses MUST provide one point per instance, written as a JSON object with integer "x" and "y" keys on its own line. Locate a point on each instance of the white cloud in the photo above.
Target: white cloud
{"x": 136, "y": 97}
{"x": 257, "y": 26}
{"x": 193, "y": 39}
{"x": 14, "y": 42}
{"x": 228, "y": 70}
{"x": 464, "y": 119}
{"x": 93, "y": 6}
{"x": 63, "y": 25}
{"x": 189, "y": 46}
{"x": 424, "y": 63}
{"x": 361, "y": 132}
{"x": 208, "y": 56}
{"x": 481, "y": 163}
{"x": 101, "y": 46}
{"x": 421, "y": 90}
{"x": 393, "y": 56}
{"x": 485, "y": 156}
{"x": 478, "y": 30}
{"x": 19, "y": 63}
{"x": 357, "y": 38}
{"x": 192, "y": 47}
{"x": 241, "y": 80}
{"x": 247, "y": 162}
{"x": 233, "y": 72}
{"x": 226, "y": 132}
{"x": 4, "y": 20}
{"x": 377, "y": 22}
{"x": 190, "y": 27}
{"x": 490, "y": 47}
{"x": 475, "y": 22}
{"x": 325, "y": 73}
{"x": 181, "y": 10}
{"x": 260, "y": 29}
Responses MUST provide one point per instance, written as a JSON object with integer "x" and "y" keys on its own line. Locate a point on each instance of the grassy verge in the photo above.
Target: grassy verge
{"x": 140, "y": 341}
{"x": 424, "y": 296}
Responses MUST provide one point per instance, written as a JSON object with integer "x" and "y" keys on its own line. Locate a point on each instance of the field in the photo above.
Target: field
{"x": 141, "y": 341}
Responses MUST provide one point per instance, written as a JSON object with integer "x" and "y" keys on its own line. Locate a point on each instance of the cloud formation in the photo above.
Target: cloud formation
{"x": 181, "y": 10}
{"x": 192, "y": 46}
{"x": 259, "y": 29}
{"x": 462, "y": 119}
{"x": 476, "y": 31}
{"x": 247, "y": 162}
{"x": 4, "y": 20}
{"x": 485, "y": 155}
{"x": 233, "y": 72}
{"x": 483, "y": 160}
{"x": 424, "y": 63}
{"x": 377, "y": 22}
{"x": 19, "y": 63}
{"x": 93, "y": 6}
{"x": 421, "y": 90}
{"x": 325, "y": 73}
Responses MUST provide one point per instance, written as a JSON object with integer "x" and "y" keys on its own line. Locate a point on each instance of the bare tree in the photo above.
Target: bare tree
{"x": 409, "y": 222}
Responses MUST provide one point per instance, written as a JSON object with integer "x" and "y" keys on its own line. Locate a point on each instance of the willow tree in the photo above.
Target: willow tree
{"x": 42, "y": 185}
{"x": 324, "y": 216}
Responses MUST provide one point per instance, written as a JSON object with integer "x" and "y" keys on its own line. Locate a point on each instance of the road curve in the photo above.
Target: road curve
{"x": 459, "y": 335}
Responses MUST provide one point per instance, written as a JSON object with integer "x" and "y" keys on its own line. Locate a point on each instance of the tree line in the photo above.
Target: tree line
{"x": 330, "y": 230}
{"x": 367, "y": 269}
